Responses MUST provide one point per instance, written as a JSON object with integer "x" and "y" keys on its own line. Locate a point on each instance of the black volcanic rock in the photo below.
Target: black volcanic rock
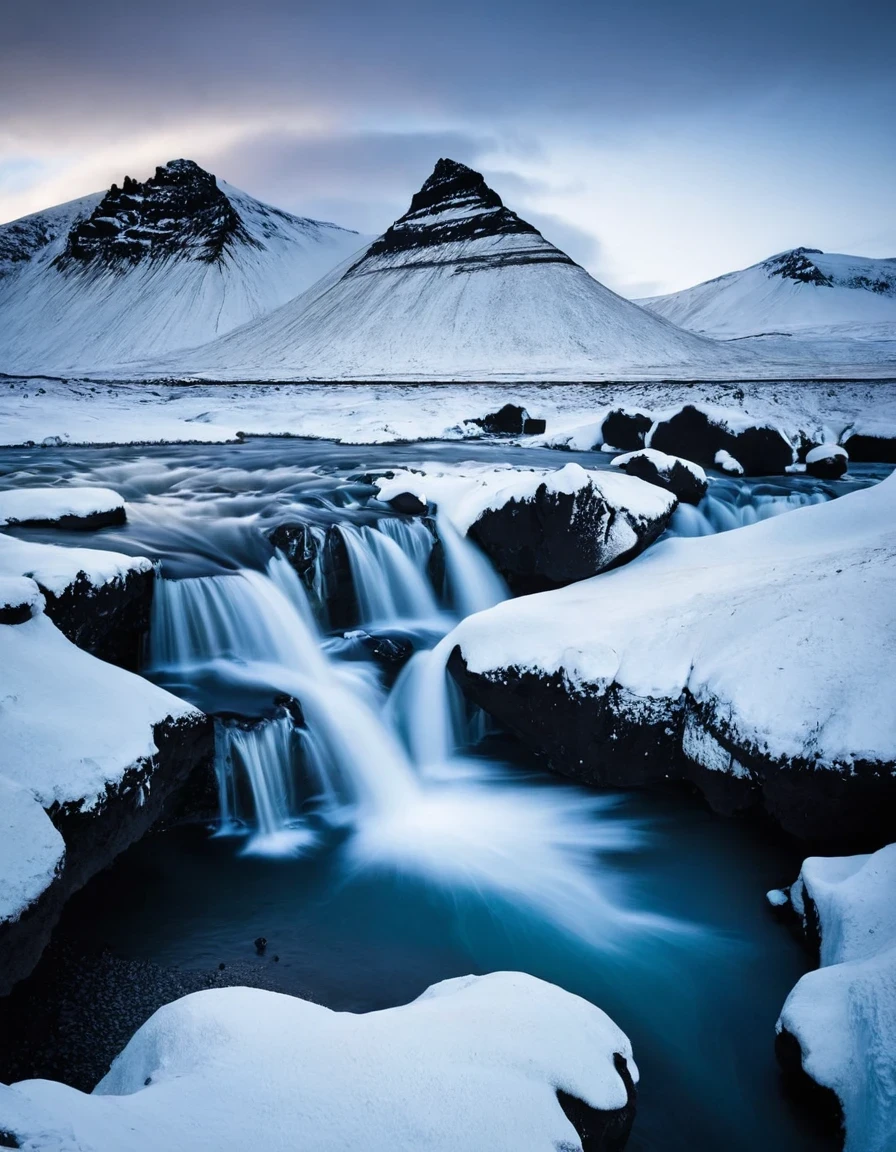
{"x": 796, "y": 265}
{"x": 511, "y": 420}
{"x": 674, "y": 476}
{"x": 695, "y": 435}
{"x": 865, "y": 448}
{"x": 554, "y": 538}
{"x": 109, "y": 620}
{"x": 180, "y": 211}
{"x": 455, "y": 204}
{"x": 625, "y": 430}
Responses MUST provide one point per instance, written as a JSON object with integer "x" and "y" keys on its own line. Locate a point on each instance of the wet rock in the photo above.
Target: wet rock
{"x": 684, "y": 480}
{"x": 554, "y": 538}
{"x": 110, "y": 620}
{"x": 603, "y": 1131}
{"x": 625, "y": 429}
{"x": 408, "y": 504}
{"x": 868, "y": 448}
{"x": 827, "y": 462}
{"x": 697, "y": 435}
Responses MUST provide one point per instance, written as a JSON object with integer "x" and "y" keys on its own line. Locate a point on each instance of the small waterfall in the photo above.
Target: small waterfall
{"x": 731, "y": 504}
{"x": 390, "y": 583}
{"x": 473, "y": 584}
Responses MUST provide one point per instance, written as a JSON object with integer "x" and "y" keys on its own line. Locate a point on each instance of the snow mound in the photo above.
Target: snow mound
{"x": 803, "y": 292}
{"x": 71, "y": 725}
{"x": 826, "y": 452}
{"x": 47, "y": 505}
{"x": 844, "y": 1014}
{"x": 475, "y": 1062}
{"x": 782, "y": 633}
{"x": 465, "y": 492}
{"x": 148, "y": 268}
{"x": 459, "y": 288}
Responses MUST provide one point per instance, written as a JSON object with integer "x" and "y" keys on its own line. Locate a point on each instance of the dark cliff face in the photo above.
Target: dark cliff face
{"x": 455, "y": 205}
{"x": 180, "y": 211}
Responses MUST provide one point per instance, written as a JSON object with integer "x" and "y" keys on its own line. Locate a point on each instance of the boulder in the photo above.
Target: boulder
{"x": 684, "y": 480}
{"x": 625, "y": 429}
{"x": 870, "y": 446}
{"x": 700, "y": 433}
{"x": 568, "y": 526}
{"x": 827, "y": 462}
{"x": 511, "y": 420}
{"x": 81, "y": 509}
{"x": 756, "y": 665}
{"x": 408, "y": 504}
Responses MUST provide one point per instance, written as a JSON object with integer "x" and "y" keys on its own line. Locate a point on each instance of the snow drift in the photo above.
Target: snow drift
{"x": 145, "y": 269}
{"x": 475, "y": 1062}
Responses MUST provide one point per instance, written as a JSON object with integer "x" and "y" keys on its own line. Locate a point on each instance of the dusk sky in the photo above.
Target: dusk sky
{"x": 658, "y": 143}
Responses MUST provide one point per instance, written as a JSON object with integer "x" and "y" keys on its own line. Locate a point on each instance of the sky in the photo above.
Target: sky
{"x": 660, "y": 143}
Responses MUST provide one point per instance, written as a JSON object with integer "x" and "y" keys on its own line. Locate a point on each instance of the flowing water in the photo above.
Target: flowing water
{"x": 373, "y": 828}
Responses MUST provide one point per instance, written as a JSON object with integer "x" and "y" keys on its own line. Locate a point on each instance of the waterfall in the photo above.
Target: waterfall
{"x": 473, "y": 584}
{"x": 732, "y": 504}
{"x": 390, "y": 583}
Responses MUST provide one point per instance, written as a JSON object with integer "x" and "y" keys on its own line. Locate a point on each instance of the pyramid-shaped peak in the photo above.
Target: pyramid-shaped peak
{"x": 178, "y": 212}
{"x": 454, "y": 205}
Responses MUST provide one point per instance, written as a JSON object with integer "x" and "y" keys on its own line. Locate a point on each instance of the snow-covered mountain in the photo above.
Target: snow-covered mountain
{"x": 459, "y": 287}
{"x": 147, "y": 268}
{"x": 803, "y": 292}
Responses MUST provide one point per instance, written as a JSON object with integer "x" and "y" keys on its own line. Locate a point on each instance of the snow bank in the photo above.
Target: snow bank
{"x": 466, "y": 491}
{"x": 844, "y": 1014}
{"x": 71, "y": 724}
{"x": 474, "y": 1063}
{"x": 31, "y": 850}
{"x": 56, "y": 568}
{"x": 784, "y": 632}
{"x": 26, "y": 505}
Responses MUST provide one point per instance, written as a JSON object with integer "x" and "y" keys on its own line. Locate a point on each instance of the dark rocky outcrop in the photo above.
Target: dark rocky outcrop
{"x": 94, "y": 838}
{"x": 553, "y": 538}
{"x": 180, "y": 212}
{"x": 511, "y": 420}
{"x": 676, "y": 477}
{"x": 611, "y": 739}
{"x": 625, "y": 430}
{"x": 407, "y": 504}
{"x": 865, "y": 448}
{"x": 827, "y": 467}
{"x": 110, "y": 620}
{"x": 603, "y": 1131}
{"x": 762, "y": 450}
{"x": 797, "y": 265}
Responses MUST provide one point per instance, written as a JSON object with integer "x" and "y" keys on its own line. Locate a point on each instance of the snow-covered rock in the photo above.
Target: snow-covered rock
{"x": 800, "y": 291}
{"x": 99, "y": 599}
{"x": 827, "y": 461}
{"x": 838, "y": 1025}
{"x": 459, "y": 288}
{"x": 726, "y": 463}
{"x": 542, "y": 528}
{"x": 82, "y": 508}
{"x": 148, "y": 268}
{"x": 700, "y": 432}
{"x": 510, "y": 420}
{"x": 625, "y": 429}
{"x": 872, "y": 438}
{"x": 474, "y": 1063}
{"x": 758, "y": 663}
{"x": 98, "y": 749}
{"x": 685, "y": 480}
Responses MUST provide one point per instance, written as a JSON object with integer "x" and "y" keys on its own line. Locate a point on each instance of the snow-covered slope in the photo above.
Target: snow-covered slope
{"x": 459, "y": 287}
{"x": 803, "y": 292}
{"x": 145, "y": 269}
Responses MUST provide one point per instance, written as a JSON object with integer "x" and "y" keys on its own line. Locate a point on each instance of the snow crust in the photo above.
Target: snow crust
{"x": 71, "y": 724}
{"x": 662, "y": 461}
{"x": 474, "y": 1063}
{"x": 22, "y": 504}
{"x": 844, "y": 1013}
{"x": 55, "y": 567}
{"x": 65, "y": 320}
{"x": 785, "y": 630}
{"x": 465, "y": 492}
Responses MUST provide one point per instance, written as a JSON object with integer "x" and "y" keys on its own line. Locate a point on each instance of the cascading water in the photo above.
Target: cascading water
{"x": 730, "y": 504}
{"x": 388, "y": 569}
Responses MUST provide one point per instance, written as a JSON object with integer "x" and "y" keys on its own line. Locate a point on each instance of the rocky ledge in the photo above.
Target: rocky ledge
{"x": 755, "y": 664}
